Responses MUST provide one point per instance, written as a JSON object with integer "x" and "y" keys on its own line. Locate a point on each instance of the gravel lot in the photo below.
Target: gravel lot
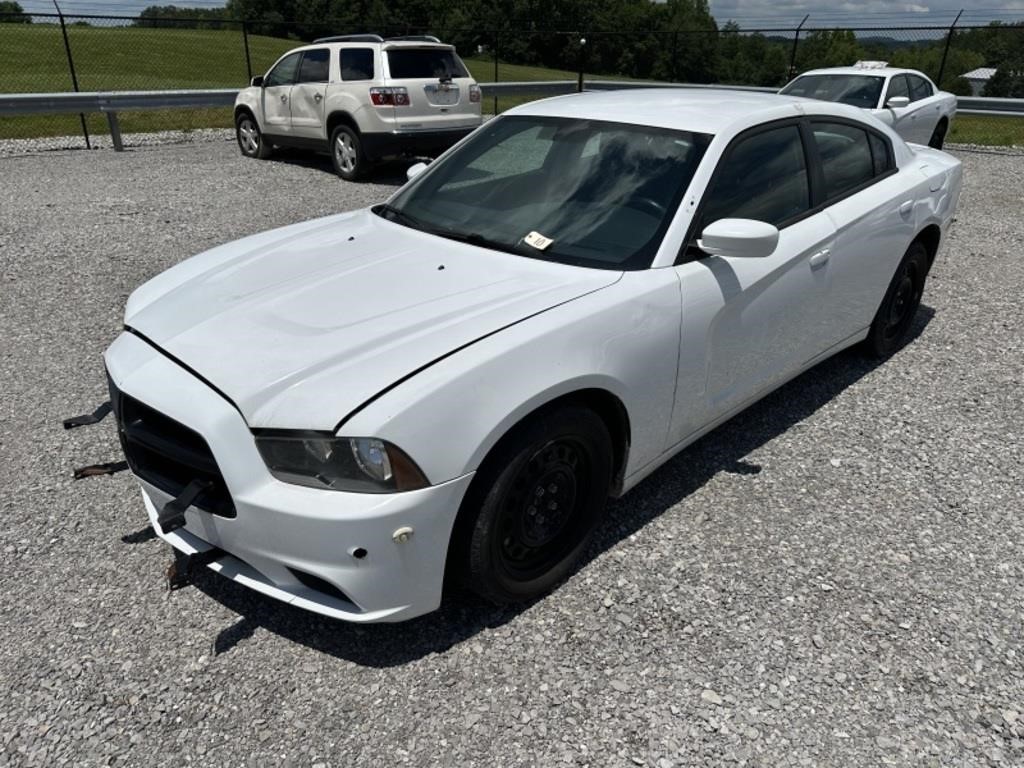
{"x": 833, "y": 578}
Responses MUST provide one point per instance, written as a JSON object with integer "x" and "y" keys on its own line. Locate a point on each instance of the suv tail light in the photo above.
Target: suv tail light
{"x": 389, "y": 97}
{"x": 474, "y": 93}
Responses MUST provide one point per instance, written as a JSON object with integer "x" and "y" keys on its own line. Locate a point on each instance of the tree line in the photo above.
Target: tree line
{"x": 675, "y": 40}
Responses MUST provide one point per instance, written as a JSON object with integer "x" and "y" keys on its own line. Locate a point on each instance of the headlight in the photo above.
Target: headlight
{"x": 357, "y": 464}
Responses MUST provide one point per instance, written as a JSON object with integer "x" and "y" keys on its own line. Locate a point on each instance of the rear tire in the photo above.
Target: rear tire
{"x": 896, "y": 314}
{"x": 250, "y": 138}
{"x": 543, "y": 493}
{"x": 347, "y": 153}
{"x": 939, "y": 135}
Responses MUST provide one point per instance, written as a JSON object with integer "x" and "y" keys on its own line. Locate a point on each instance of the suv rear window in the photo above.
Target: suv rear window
{"x": 422, "y": 63}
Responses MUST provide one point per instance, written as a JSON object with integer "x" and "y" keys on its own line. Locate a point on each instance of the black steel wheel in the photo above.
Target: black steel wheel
{"x": 541, "y": 495}
{"x": 250, "y": 138}
{"x": 896, "y": 314}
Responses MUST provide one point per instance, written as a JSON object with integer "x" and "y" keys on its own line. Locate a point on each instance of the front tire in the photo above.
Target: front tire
{"x": 543, "y": 492}
{"x": 347, "y": 153}
{"x": 250, "y": 138}
{"x": 896, "y": 314}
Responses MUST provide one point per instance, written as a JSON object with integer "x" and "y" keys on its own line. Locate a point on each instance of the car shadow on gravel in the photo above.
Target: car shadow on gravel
{"x": 462, "y": 615}
{"x": 391, "y": 172}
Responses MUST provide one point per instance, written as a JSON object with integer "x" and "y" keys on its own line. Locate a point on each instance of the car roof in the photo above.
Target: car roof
{"x": 878, "y": 71}
{"x": 710, "y": 110}
{"x": 384, "y": 44}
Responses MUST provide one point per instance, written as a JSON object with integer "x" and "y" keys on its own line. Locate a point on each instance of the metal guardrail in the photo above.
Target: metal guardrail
{"x": 112, "y": 102}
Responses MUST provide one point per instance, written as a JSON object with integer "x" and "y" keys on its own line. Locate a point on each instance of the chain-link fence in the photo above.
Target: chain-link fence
{"x": 54, "y": 52}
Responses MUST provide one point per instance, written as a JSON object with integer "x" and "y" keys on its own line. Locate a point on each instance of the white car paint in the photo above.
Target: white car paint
{"x": 916, "y": 121}
{"x": 350, "y": 325}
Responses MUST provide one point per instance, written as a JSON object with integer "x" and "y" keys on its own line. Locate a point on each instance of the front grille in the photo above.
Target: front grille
{"x": 168, "y": 454}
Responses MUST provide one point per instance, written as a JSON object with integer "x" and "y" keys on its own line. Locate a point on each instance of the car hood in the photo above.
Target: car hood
{"x": 300, "y": 326}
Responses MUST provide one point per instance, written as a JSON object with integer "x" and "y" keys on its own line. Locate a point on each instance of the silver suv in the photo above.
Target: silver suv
{"x": 360, "y": 98}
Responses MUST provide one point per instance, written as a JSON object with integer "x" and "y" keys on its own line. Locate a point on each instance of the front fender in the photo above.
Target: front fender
{"x": 248, "y": 98}
{"x": 623, "y": 339}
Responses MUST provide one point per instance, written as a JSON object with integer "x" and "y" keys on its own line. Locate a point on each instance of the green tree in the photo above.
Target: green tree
{"x": 750, "y": 58}
{"x": 181, "y": 18}
{"x": 13, "y": 13}
{"x": 828, "y": 48}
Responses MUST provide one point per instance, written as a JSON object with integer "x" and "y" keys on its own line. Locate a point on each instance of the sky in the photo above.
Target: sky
{"x": 749, "y": 13}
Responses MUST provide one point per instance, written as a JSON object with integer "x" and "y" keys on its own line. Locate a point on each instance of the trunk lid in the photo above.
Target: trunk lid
{"x": 438, "y": 84}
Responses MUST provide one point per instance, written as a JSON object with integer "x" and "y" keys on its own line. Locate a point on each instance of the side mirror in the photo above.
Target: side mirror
{"x": 415, "y": 170}
{"x": 897, "y": 102}
{"x": 743, "y": 238}
{"x": 257, "y": 82}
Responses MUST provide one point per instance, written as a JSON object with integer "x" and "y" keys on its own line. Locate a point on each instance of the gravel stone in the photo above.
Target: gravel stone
{"x": 921, "y": 525}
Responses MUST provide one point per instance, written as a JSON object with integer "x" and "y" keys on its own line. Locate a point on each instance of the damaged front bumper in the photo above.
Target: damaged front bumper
{"x": 359, "y": 557}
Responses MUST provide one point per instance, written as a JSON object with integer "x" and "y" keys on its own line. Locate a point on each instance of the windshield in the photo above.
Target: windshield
{"x": 421, "y": 63}
{"x": 583, "y": 192}
{"x": 856, "y": 90}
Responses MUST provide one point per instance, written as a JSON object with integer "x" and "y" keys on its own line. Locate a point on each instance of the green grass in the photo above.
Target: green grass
{"x": 32, "y": 60}
{"x": 990, "y": 131}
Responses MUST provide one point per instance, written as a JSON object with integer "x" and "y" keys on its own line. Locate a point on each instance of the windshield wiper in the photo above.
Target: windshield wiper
{"x": 399, "y": 216}
{"x": 473, "y": 238}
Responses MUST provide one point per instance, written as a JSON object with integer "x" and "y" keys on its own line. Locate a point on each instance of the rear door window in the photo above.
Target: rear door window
{"x": 881, "y": 155}
{"x": 425, "y": 63}
{"x": 846, "y": 158}
{"x": 315, "y": 66}
{"x": 357, "y": 64}
{"x": 919, "y": 88}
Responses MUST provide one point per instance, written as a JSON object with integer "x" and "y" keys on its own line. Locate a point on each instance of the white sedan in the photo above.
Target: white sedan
{"x": 342, "y": 413}
{"x": 903, "y": 98}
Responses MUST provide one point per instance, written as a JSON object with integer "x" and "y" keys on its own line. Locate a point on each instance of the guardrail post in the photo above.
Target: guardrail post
{"x": 115, "y": 131}
{"x": 945, "y": 51}
{"x": 796, "y": 40}
{"x": 71, "y": 66}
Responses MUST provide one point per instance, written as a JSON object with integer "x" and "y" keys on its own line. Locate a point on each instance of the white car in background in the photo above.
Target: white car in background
{"x": 360, "y": 98}
{"x": 345, "y": 413}
{"x": 903, "y": 98}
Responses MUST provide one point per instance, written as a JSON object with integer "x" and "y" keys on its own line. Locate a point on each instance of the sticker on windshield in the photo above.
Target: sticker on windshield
{"x": 538, "y": 241}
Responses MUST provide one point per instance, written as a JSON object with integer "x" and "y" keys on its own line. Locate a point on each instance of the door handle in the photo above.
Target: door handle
{"x": 906, "y": 207}
{"x": 820, "y": 258}
{"x": 318, "y": 97}
{"x": 283, "y": 97}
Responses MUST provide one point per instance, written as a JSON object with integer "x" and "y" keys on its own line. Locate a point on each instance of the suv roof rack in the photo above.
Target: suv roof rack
{"x": 350, "y": 39}
{"x": 415, "y": 39}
